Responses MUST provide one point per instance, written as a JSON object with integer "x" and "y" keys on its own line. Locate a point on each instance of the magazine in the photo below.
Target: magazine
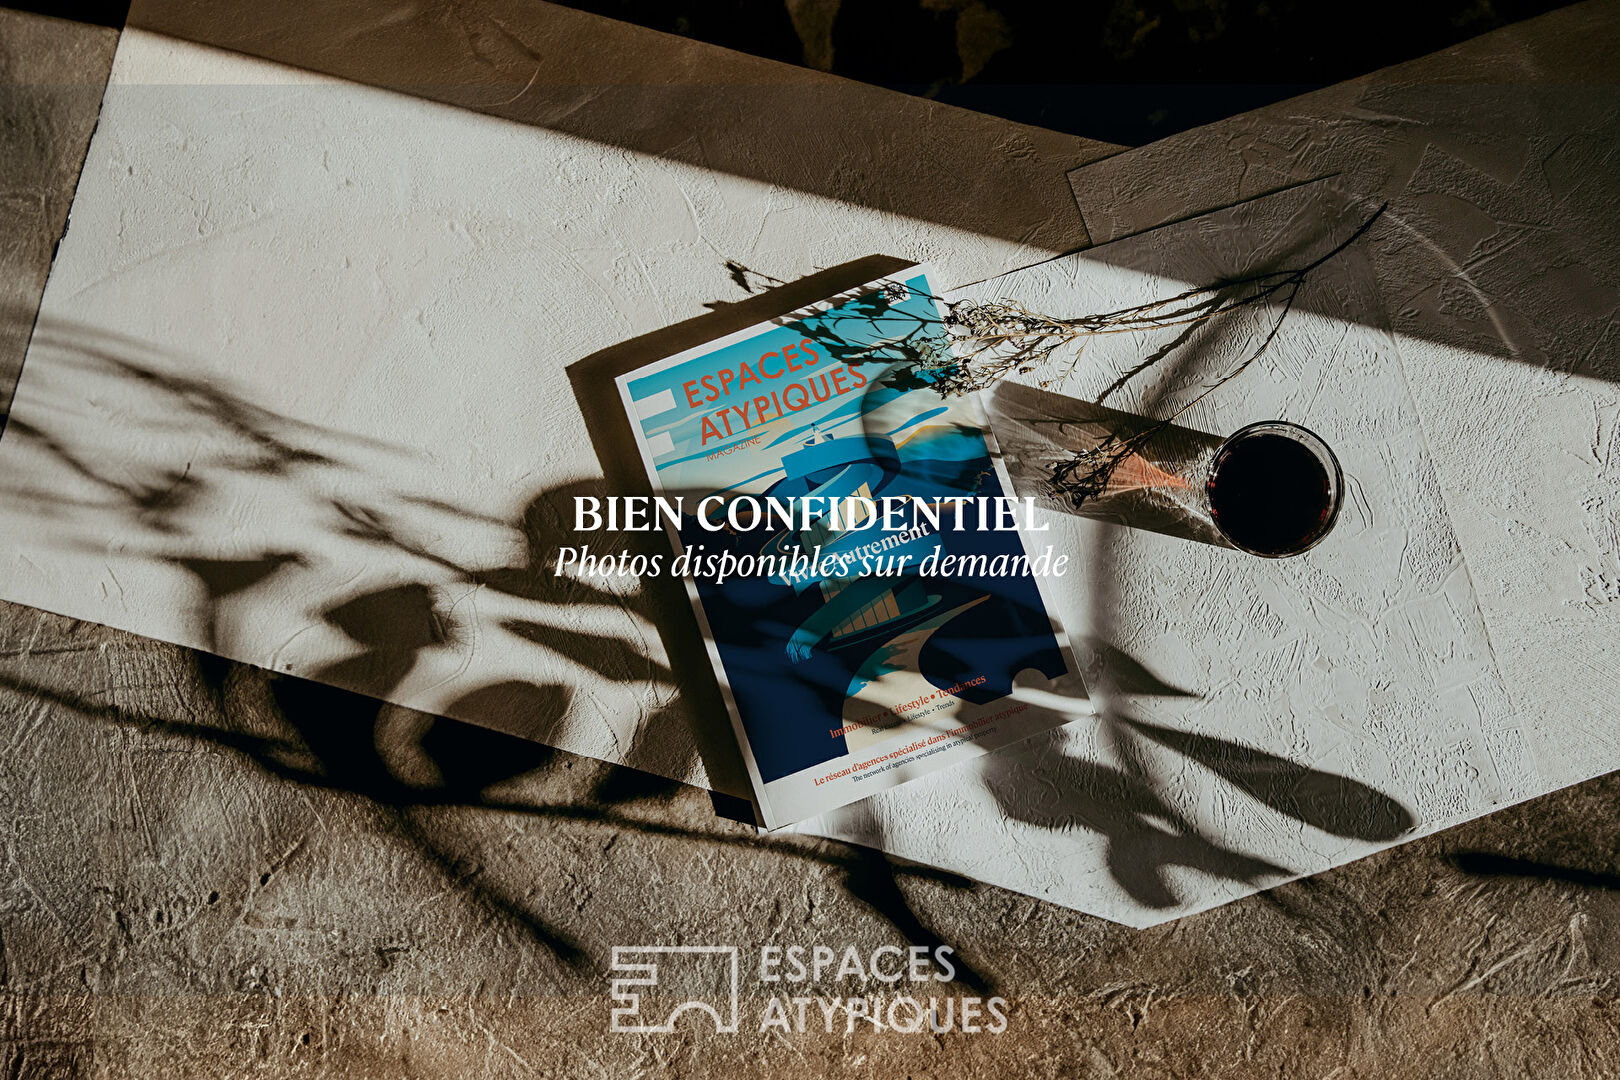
{"x": 861, "y": 653}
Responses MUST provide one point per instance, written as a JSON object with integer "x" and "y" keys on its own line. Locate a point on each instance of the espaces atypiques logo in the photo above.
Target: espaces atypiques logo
{"x": 795, "y": 988}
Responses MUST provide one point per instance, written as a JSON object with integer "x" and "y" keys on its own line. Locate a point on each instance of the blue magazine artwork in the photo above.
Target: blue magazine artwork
{"x": 839, "y": 683}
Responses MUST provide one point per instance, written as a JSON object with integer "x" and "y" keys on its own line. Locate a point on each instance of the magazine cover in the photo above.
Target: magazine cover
{"x": 879, "y": 653}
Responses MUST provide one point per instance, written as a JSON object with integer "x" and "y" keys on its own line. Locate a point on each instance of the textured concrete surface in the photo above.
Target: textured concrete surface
{"x": 51, "y": 79}
{"x": 216, "y": 872}
{"x": 310, "y": 272}
{"x": 690, "y": 104}
{"x": 1128, "y": 71}
{"x": 1257, "y": 719}
{"x": 1501, "y": 274}
{"x": 335, "y": 369}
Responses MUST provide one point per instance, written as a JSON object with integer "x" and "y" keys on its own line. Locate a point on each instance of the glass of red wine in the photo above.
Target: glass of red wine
{"x": 1274, "y": 489}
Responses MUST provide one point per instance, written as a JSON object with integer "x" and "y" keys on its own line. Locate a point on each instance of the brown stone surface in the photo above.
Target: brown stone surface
{"x": 51, "y": 76}
{"x": 215, "y": 872}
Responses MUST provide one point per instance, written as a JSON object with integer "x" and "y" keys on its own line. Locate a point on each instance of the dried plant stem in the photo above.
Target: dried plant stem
{"x": 990, "y": 340}
{"x": 997, "y": 339}
{"x": 1003, "y": 337}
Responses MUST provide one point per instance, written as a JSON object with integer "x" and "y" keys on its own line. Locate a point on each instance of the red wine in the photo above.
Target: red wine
{"x": 1271, "y": 493}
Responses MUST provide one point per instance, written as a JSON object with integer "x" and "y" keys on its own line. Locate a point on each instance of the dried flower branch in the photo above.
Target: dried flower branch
{"x": 990, "y": 340}
{"x": 1000, "y": 338}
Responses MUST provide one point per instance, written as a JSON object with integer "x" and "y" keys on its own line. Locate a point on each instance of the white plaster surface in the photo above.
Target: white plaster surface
{"x": 1257, "y": 718}
{"x": 298, "y": 389}
{"x": 304, "y": 347}
{"x": 1500, "y": 159}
